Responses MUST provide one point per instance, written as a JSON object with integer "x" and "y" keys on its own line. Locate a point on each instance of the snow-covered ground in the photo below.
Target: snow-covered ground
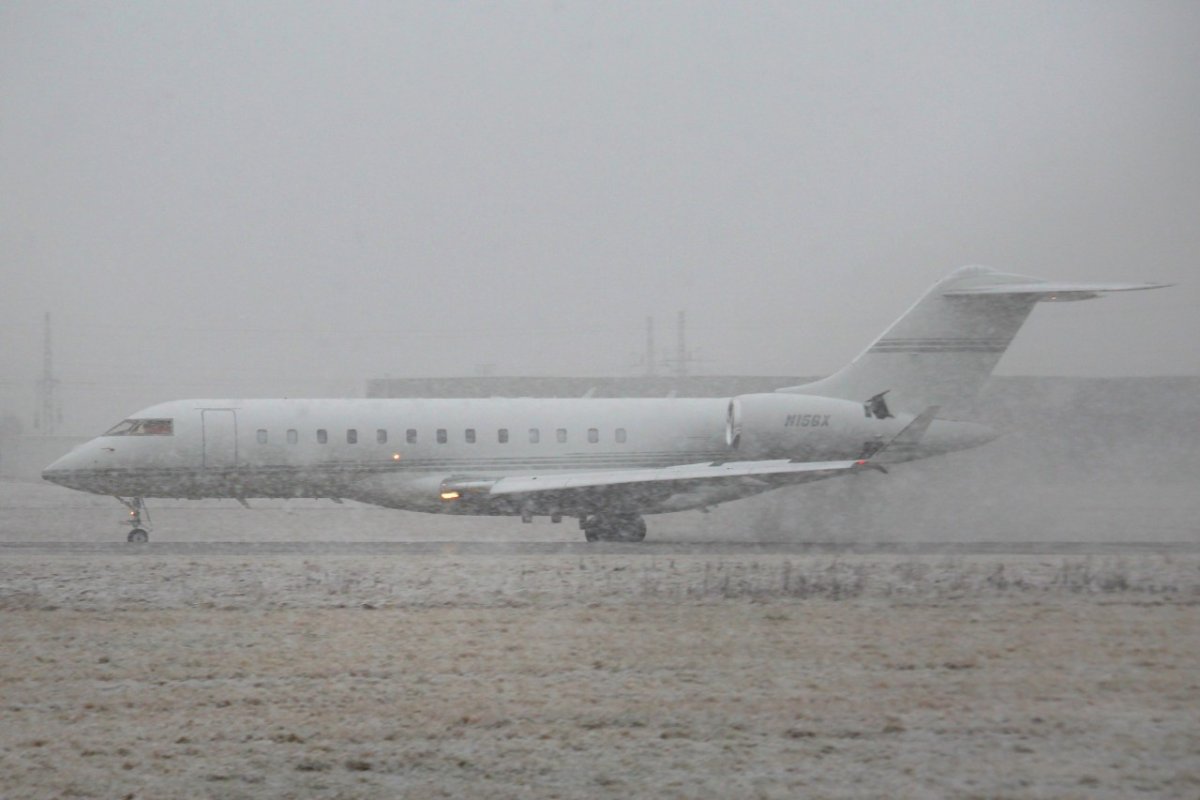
{"x": 599, "y": 676}
{"x": 741, "y": 673}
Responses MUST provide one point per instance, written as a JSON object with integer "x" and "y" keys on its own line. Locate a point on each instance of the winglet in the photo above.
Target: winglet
{"x": 909, "y": 436}
{"x": 913, "y": 431}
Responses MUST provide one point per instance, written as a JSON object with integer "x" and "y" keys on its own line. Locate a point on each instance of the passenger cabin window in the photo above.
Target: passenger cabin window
{"x": 262, "y": 435}
{"x": 143, "y": 427}
{"x": 322, "y": 436}
{"x": 561, "y": 434}
{"x": 593, "y": 435}
{"x": 410, "y": 436}
{"x": 351, "y": 436}
{"x": 381, "y": 436}
{"x": 441, "y": 435}
{"x": 470, "y": 436}
{"x": 292, "y": 436}
{"x": 535, "y": 436}
{"x": 620, "y": 436}
{"x": 502, "y": 436}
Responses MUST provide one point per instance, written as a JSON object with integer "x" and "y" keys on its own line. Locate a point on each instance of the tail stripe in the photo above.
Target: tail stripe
{"x": 942, "y": 345}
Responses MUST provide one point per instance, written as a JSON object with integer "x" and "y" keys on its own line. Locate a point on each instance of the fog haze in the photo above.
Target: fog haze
{"x": 219, "y": 199}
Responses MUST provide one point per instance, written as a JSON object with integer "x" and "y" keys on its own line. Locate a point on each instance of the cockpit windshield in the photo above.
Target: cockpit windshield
{"x": 143, "y": 427}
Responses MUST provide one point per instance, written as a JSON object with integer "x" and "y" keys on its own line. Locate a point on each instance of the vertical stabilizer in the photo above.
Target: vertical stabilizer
{"x": 942, "y": 350}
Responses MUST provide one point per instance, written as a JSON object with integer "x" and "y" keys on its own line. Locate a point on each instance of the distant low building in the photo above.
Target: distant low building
{"x": 637, "y": 386}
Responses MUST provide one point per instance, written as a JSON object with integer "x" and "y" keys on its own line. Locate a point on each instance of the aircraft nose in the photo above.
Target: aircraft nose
{"x": 57, "y": 471}
{"x": 69, "y": 469}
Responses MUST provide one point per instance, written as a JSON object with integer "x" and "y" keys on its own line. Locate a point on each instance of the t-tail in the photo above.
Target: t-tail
{"x": 942, "y": 350}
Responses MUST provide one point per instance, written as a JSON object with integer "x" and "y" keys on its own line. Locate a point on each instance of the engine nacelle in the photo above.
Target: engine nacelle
{"x": 800, "y": 427}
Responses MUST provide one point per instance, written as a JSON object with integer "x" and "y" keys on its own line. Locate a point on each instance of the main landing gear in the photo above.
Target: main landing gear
{"x": 613, "y": 527}
{"x": 137, "y": 533}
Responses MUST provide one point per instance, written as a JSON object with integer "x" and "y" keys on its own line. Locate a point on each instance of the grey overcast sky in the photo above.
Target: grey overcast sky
{"x": 261, "y": 198}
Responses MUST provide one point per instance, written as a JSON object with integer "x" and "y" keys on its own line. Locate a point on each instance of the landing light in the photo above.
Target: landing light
{"x": 450, "y": 495}
{"x": 395, "y": 456}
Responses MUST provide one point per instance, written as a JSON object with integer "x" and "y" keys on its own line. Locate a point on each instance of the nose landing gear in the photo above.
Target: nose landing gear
{"x": 137, "y": 534}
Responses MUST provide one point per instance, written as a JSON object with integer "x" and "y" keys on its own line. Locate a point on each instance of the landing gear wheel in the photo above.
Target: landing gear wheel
{"x": 137, "y": 507}
{"x": 593, "y": 528}
{"x": 635, "y": 530}
{"x": 615, "y": 528}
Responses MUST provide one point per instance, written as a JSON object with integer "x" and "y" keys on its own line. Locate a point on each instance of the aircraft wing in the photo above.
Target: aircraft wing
{"x": 776, "y": 471}
{"x": 794, "y": 472}
{"x": 674, "y": 488}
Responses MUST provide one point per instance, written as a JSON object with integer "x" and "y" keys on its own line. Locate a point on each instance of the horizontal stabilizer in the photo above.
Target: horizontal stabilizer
{"x": 1051, "y": 291}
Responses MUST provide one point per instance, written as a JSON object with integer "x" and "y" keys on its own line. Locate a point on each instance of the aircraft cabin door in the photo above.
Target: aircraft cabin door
{"x": 220, "y": 437}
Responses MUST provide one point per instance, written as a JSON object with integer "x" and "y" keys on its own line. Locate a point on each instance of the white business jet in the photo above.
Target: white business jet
{"x": 606, "y": 462}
